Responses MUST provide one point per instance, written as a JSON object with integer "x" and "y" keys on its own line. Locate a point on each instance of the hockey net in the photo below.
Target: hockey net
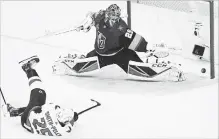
{"x": 179, "y": 26}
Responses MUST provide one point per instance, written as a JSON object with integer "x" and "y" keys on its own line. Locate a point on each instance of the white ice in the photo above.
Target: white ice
{"x": 130, "y": 108}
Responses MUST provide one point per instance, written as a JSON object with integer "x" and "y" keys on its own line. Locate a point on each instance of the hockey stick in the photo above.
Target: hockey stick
{"x": 2, "y": 95}
{"x": 50, "y": 34}
{"x": 97, "y": 104}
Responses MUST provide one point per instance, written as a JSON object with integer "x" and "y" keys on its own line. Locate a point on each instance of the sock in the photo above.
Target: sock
{"x": 31, "y": 73}
{"x": 34, "y": 79}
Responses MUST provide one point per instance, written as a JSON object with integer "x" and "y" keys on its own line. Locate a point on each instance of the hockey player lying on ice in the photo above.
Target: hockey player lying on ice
{"x": 39, "y": 117}
{"x": 115, "y": 44}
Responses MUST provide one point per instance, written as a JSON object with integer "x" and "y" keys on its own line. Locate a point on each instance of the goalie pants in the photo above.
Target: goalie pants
{"x": 121, "y": 58}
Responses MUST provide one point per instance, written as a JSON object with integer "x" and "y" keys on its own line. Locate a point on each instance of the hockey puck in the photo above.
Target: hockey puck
{"x": 203, "y": 70}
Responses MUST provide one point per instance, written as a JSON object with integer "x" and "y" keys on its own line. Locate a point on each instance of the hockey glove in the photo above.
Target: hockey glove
{"x": 86, "y": 24}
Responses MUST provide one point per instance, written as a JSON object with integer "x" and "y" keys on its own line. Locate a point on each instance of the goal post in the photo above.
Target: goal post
{"x": 212, "y": 68}
{"x": 129, "y": 13}
{"x": 181, "y": 7}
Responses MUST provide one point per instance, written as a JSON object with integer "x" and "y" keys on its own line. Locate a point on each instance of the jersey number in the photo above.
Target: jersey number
{"x": 129, "y": 33}
{"x": 43, "y": 127}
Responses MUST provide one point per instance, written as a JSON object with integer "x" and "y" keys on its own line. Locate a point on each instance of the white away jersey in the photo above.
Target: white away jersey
{"x": 43, "y": 121}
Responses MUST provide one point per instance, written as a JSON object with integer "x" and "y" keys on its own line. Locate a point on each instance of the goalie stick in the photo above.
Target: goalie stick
{"x": 55, "y": 33}
{"x": 63, "y": 31}
{"x": 97, "y": 104}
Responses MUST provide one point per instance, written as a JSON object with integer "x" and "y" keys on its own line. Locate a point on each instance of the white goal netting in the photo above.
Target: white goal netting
{"x": 174, "y": 23}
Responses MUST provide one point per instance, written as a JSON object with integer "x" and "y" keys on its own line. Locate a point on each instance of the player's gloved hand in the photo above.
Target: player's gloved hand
{"x": 87, "y": 23}
{"x": 75, "y": 116}
{"x": 13, "y": 112}
{"x": 79, "y": 28}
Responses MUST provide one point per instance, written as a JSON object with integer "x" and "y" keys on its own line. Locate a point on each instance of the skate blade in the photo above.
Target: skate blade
{"x": 32, "y": 57}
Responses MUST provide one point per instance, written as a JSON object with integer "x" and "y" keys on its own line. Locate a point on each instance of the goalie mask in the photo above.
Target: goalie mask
{"x": 112, "y": 14}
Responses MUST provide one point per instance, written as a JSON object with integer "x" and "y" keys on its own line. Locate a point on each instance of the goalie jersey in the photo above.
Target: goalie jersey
{"x": 42, "y": 120}
{"x": 110, "y": 40}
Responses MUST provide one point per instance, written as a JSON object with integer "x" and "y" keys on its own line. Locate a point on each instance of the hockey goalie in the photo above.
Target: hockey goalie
{"x": 116, "y": 44}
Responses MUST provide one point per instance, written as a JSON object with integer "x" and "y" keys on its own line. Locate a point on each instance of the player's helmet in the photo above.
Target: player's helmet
{"x": 113, "y": 12}
{"x": 66, "y": 117}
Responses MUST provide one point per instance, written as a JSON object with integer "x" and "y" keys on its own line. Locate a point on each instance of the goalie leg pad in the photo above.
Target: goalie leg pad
{"x": 150, "y": 70}
{"x": 75, "y": 66}
{"x": 86, "y": 65}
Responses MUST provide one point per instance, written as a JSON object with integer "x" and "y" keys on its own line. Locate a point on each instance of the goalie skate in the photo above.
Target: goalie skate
{"x": 157, "y": 54}
{"x": 158, "y": 51}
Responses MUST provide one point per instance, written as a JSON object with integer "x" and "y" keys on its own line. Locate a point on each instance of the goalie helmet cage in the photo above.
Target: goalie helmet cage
{"x": 182, "y": 7}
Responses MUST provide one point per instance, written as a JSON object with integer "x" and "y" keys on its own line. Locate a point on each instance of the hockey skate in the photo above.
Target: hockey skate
{"x": 157, "y": 54}
{"x": 158, "y": 51}
{"x": 10, "y": 111}
{"x": 29, "y": 63}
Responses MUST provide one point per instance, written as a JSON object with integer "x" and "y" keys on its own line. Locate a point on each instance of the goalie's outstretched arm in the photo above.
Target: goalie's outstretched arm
{"x": 87, "y": 23}
{"x": 91, "y": 19}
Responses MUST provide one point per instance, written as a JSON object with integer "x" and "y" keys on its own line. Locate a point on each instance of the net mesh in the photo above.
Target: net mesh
{"x": 175, "y": 23}
{"x": 183, "y": 6}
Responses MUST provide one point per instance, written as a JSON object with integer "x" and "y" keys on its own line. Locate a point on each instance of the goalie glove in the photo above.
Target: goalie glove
{"x": 87, "y": 23}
